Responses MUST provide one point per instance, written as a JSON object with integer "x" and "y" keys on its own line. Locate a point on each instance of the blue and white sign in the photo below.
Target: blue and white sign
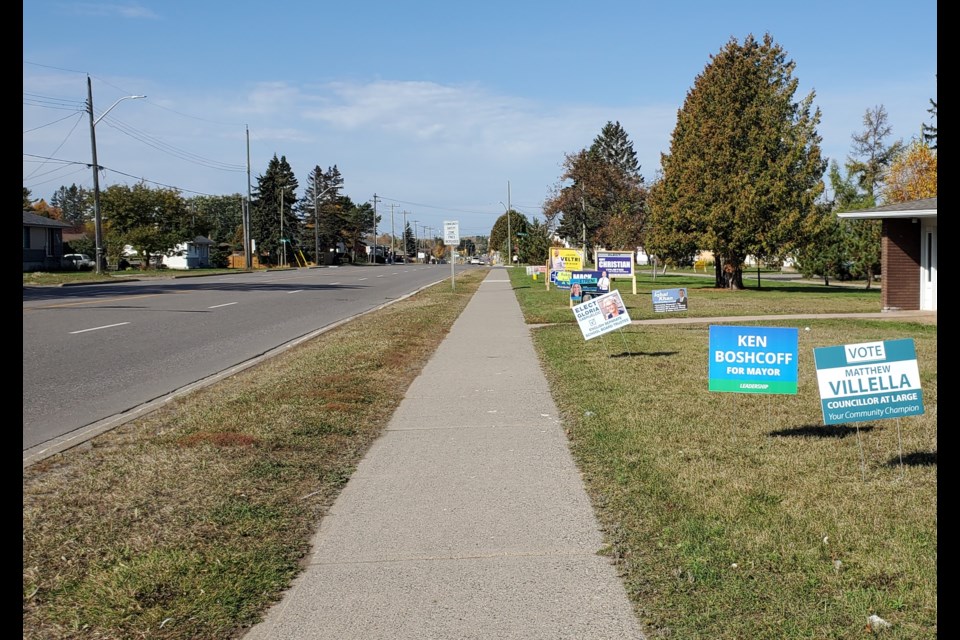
{"x": 615, "y": 263}
{"x": 669, "y": 300}
{"x": 868, "y": 381}
{"x": 599, "y": 315}
{"x": 753, "y": 359}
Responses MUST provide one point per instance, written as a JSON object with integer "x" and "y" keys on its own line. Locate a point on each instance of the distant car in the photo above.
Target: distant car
{"x": 475, "y": 260}
{"x": 78, "y": 261}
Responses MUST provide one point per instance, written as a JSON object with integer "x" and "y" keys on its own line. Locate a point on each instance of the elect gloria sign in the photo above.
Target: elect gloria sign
{"x": 868, "y": 381}
{"x": 753, "y": 359}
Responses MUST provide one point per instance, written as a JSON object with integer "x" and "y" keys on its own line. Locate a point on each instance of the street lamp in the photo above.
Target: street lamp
{"x": 98, "y": 226}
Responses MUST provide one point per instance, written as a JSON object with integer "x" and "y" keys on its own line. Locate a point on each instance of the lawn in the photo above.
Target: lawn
{"x": 736, "y": 516}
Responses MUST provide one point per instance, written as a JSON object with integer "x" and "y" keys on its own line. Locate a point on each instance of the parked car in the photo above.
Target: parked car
{"x": 475, "y": 260}
{"x": 78, "y": 261}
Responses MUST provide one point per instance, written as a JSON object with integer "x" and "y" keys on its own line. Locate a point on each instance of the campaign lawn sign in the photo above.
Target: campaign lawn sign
{"x": 868, "y": 381}
{"x": 665, "y": 300}
{"x": 753, "y": 359}
{"x": 600, "y": 315}
{"x": 618, "y": 265}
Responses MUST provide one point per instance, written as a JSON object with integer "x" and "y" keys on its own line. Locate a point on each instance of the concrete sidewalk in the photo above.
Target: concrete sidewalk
{"x": 467, "y": 518}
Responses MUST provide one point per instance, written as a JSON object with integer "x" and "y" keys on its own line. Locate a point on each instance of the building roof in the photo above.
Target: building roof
{"x": 33, "y": 220}
{"x": 925, "y": 208}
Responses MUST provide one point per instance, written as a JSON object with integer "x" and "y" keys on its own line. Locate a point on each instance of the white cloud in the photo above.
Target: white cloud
{"x": 121, "y": 10}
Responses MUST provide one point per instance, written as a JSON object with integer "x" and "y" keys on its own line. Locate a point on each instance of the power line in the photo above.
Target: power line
{"x": 169, "y": 149}
{"x": 128, "y": 175}
{"x": 54, "y": 122}
{"x": 62, "y": 142}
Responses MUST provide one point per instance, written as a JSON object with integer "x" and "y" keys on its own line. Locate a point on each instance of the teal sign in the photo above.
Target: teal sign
{"x": 753, "y": 359}
{"x": 868, "y": 381}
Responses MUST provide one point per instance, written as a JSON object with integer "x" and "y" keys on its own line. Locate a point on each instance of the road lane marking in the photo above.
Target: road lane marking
{"x": 64, "y": 305}
{"x": 295, "y": 291}
{"x": 107, "y": 326}
{"x": 217, "y": 306}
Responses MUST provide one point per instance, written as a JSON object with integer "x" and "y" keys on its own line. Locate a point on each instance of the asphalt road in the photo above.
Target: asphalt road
{"x": 94, "y": 356}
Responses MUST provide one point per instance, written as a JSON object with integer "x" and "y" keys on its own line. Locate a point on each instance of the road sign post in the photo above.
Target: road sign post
{"x": 451, "y": 238}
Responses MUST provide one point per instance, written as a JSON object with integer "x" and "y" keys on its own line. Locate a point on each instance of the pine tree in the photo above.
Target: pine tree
{"x": 276, "y": 188}
{"x": 930, "y": 130}
{"x": 74, "y": 202}
{"x": 867, "y": 166}
{"x": 613, "y": 146}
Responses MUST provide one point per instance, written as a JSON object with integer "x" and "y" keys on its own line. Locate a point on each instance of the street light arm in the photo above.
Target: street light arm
{"x": 113, "y": 105}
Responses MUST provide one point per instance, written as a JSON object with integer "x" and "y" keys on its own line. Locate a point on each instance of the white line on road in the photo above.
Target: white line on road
{"x": 362, "y": 279}
{"x": 333, "y": 283}
{"x": 108, "y": 326}
{"x": 217, "y": 306}
{"x": 295, "y": 291}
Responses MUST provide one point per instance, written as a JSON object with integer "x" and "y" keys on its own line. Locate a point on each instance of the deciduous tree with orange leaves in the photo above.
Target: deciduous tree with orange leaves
{"x": 912, "y": 175}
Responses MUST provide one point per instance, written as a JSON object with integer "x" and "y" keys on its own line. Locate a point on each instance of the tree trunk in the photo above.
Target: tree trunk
{"x": 719, "y": 280}
{"x": 869, "y": 277}
{"x": 736, "y": 280}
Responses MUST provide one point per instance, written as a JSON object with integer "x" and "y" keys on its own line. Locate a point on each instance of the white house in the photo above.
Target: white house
{"x": 190, "y": 255}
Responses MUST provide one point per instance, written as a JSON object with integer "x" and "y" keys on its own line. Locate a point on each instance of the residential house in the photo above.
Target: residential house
{"x": 194, "y": 254}
{"x": 42, "y": 242}
{"x": 908, "y": 253}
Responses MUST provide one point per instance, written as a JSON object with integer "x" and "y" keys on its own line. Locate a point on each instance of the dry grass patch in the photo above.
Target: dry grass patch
{"x": 190, "y": 521}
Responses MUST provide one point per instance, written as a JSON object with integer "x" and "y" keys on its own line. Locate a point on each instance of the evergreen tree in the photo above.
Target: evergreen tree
{"x": 596, "y": 190}
{"x": 27, "y": 200}
{"x": 323, "y": 193}
{"x": 929, "y": 131}
{"x": 868, "y": 164}
{"x": 744, "y": 168}
{"x": 536, "y": 245}
{"x": 276, "y": 190}
{"x": 409, "y": 242}
{"x": 871, "y": 155}
{"x": 614, "y": 147}
{"x": 75, "y": 204}
{"x": 358, "y": 223}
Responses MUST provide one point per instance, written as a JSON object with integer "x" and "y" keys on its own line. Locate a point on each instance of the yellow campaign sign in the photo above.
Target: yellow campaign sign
{"x": 565, "y": 259}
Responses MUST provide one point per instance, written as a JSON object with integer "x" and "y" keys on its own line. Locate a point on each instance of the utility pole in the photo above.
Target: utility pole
{"x": 374, "y": 255}
{"x": 404, "y": 235}
{"x": 247, "y": 249}
{"x": 393, "y": 233}
{"x": 509, "y": 249}
{"x": 98, "y": 223}
{"x": 283, "y": 244}
{"x": 316, "y": 217}
{"x": 583, "y": 206}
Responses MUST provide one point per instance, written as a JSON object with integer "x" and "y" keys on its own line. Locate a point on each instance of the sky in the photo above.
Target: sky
{"x": 446, "y": 111}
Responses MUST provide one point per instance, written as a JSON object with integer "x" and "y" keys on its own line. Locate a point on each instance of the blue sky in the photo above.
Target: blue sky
{"x": 434, "y": 106}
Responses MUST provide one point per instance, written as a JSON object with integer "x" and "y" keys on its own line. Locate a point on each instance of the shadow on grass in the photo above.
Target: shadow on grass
{"x": 630, "y": 354}
{"x": 819, "y": 431}
{"x": 915, "y": 459}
